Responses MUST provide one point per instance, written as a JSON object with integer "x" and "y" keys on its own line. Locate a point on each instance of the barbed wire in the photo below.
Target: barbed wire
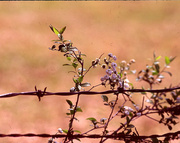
{"x": 173, "y": 134}
{"x": 44, "y": 93}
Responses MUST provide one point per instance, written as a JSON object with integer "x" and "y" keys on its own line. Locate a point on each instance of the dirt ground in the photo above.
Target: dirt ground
{"x": 130, "y": 30}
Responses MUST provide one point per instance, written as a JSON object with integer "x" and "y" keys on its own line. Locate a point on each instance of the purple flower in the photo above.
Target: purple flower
{"x": 114, "y": 57}
{"x": 110, "y": 54}
{"x": 109, "y": 72}
{"x": 114, "y": 65}
{"x": 106, "y": 77}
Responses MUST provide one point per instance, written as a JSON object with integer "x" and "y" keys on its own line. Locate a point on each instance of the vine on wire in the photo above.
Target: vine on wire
{"x": 164, "y": 104}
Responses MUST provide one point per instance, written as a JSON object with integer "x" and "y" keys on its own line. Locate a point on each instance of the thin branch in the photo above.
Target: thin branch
{"x": 106, "y": 125}
{"x": 72, "y": 119}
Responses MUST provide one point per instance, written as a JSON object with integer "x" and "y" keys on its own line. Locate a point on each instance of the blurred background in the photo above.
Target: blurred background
{"x": 130, "y": 30}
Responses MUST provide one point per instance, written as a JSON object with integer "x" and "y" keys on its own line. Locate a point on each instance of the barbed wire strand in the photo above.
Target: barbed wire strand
{"x": 34, "y": 93}
{"x": 41, "y": 93}
{"x": 89, "y": 136}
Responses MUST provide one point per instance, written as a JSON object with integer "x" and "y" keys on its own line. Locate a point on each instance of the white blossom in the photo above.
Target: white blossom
{"x": 128, "y": 108}
{"x": 138, "y": 114}
{"x": 161, "y": 76}
{"x": 126, "y": 80}
{"x": 158, "y": 79}
{"x": 60, "y": 130}
{"x": 123, "y": 62}
{"x": 132, "y": 61}
{"x": 126, "y": 85}
{"x": 126, "y": 112}
{"x": 73, "y": 89}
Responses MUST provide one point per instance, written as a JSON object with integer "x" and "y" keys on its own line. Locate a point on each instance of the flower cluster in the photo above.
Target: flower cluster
{"x": 116, "y": 75}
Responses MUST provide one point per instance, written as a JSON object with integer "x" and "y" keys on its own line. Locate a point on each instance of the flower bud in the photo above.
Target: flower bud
{"x": 60, "y": 130}
{"x": 178, "y": 100}
{"x": 138, "y": 114}
{"x": 102, "y": 78}
{"x": 109, "y": 72}
{"x": 132, "y": 61}
{"x": 126, "y": 112}
{"x": 114, "y": 58}
{"x": 110, "y": 54}
{"x": 73, "y": 89}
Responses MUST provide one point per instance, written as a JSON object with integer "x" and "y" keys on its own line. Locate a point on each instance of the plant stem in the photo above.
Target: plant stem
{"x": 104, "y": 132}
{"x": 72, "y": 119}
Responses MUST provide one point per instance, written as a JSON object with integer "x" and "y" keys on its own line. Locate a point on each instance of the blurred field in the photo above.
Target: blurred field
{"x": 126, "y": 29}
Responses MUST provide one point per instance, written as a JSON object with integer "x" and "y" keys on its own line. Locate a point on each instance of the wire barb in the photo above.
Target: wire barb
{"x": 39, "y": 93}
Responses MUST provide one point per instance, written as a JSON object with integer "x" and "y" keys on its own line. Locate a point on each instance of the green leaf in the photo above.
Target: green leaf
{"x": 75, "y": 80}
{"x": 154, "y": 140}
{"x": 92, "y": 119}
{"x": 157, "y": 68}
{"x": 167, "y": 60}
{"x": 65, "y": 131}
{"x": 171, "y": 59}
{"x": 105, "y": 98}
{"x": 78, "y": 109}
{"x": 168, "y": 72}
{"x": 155, "y": 72}
{"x": 66, "y": 65}
{"x": 78, "y": 139}
{"x": 74, "y": 65}
{"x": 127, "y": 119}
{"x": 69, "y": 58}
{"x": 143, "y": 93}
{"x": 157, "y": 58}
{"x": 77, "y": 131}
{"x": 80, "y": 79}
{"x": 130, "y": 126}
{"x": 54, "y": 30}
{"x": 83, "y": 55}
{"x": 85, "y": 84}
{"x": 76, "y": 119}
{"x": 72, "y": 112}
{"x": 62, "y": 30}
{"x": 70, "y": 103}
